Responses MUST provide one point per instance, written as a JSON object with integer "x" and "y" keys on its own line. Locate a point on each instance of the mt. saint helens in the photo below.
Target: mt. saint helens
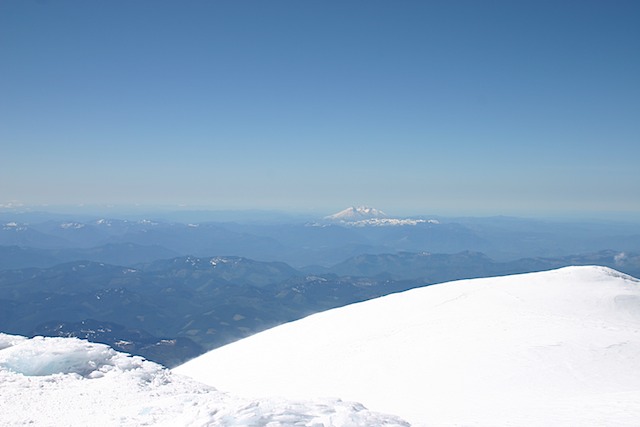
{"x": 357, "y": 213}
{"x": 363, "y": 216}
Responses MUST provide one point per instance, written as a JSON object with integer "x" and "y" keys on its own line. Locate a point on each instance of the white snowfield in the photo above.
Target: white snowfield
{"x": 71, "y": 382}
{"x": 557, "y": 348}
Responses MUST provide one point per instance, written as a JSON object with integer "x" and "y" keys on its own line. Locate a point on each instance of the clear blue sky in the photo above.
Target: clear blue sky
{"x": 469, "y": 107}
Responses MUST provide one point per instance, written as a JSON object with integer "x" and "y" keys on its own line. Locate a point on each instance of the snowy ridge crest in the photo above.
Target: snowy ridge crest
{"x": 460, "y": 353}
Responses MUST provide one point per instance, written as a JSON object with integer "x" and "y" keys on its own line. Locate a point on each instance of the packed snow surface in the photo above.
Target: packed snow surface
{"x": 71, "y": 382}
{"x": 558, "y": 348}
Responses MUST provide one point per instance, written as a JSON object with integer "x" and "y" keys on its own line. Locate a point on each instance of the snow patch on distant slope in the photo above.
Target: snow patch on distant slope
{"x": 14, "y": 226}
{"x": 72, "y": 225}
{"x": 551, "y": 348}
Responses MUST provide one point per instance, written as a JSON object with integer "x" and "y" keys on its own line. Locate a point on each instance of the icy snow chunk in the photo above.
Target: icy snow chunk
{"x": 41, "y": 356}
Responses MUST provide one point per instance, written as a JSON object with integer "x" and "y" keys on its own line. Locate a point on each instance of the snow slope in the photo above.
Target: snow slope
{"x": 71, "y": 382}
{"x": 557, "y": 348}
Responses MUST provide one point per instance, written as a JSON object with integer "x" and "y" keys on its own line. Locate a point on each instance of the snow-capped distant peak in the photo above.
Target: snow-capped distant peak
{"x": 364, "y": 216}
{"x": 357, "y": 213}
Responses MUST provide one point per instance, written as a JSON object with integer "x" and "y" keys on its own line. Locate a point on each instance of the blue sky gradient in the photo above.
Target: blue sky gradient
{"x": 443, "y": 107}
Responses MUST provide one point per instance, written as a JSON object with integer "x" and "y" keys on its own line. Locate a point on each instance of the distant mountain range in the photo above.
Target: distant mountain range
{"x": 172, "y": 290}
{"x": 322, "y": 242}
{"x": 433, "y": 268}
